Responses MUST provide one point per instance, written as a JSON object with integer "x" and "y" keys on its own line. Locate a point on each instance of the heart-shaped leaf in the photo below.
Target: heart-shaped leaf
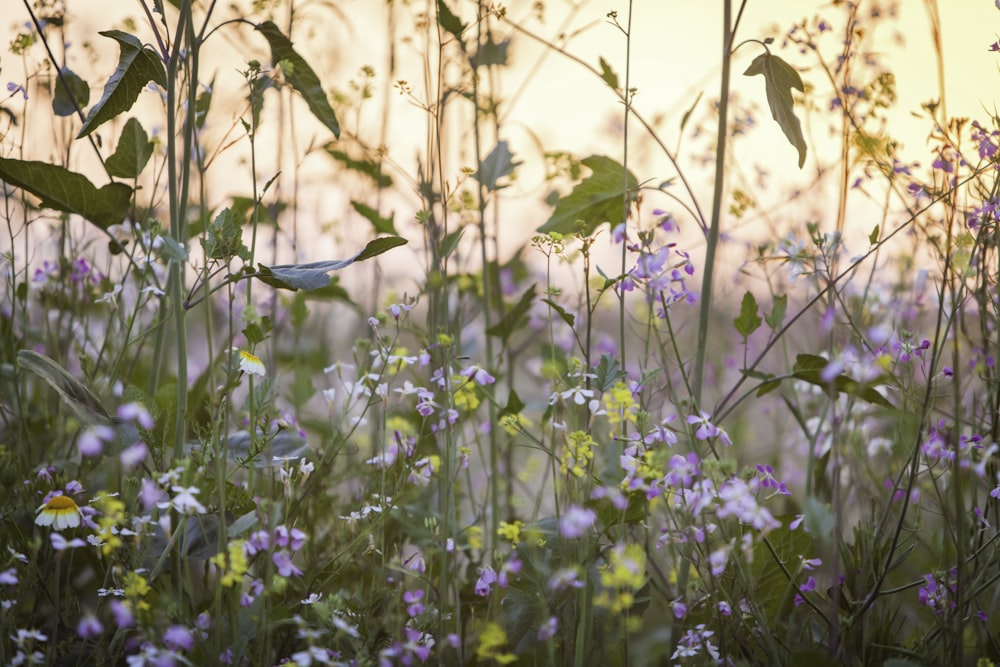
{"x": 597, "y": 199}
{"x": 780, "y": 78}
{"x": 133, "y": 151}
{"x": 137, "y": 66}
{"x": 65, "y": 190}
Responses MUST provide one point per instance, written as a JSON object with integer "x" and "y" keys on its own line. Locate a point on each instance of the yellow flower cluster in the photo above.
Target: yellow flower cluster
{"x": 136, "y": 587}
{"x": 621, "y": 577}
{"x": 511, "y": 531}
{"x": 492, "y": 639}
{"x": 112, "y": 516}
{"x": 233, "y": 563}
{"x": 465, "y": 398}
{"x": 620, "y": 404}
{"x": 577, "y": 454}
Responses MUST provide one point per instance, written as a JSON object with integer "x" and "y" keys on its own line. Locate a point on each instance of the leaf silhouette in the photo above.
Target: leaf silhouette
{"x": 137, "y": 66}
{"x": 597, "y": 199}
{"x": 780, "y": 78}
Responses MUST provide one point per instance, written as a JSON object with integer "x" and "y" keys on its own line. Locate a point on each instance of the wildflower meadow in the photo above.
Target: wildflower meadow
{"x": 315, "y": 351}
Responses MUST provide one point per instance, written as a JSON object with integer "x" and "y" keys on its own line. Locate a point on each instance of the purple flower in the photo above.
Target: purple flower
{"x": 89, "y": 626}
{"x": 283, "y": 561}
{"x": 178, "y": 638}
{"x": 487, "y": 577}
{"x": 576, "y": 521}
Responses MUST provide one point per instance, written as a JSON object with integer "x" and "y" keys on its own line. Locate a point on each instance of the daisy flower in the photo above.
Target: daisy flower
{"x": 60, "y": 512}
{"x": 251, "y": 364}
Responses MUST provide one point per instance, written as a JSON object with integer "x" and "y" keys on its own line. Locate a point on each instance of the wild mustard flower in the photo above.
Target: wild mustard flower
{"x": 621, "y": 577}
{"x": 233, "y": 563}
{"x": 577, "y": 454}
{"x": 60, "y": 512}
{"x": 511, "y": 531}
{"x": 492, "y": 640}
{"x": 620, "y": 404}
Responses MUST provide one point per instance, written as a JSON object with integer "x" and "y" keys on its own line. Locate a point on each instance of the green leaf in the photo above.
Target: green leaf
{"x": 224, "y": 237}
{"x": 508, "y": 325}
{"x": 137, "y": 66}
{"x": 132, "y": 153}
{"x": 300, "y": 76}
{"x": 514, "y": 404}
{"x": 498, "y": 164}
{"x": 687, "y": 114}
{"x": 490, "y": 53}
{"x": 381, "y": 225}
{"x": 809, "y": 368}
{"x": 74, "y": 393}
{"x": 450, "y": 241}
{"x": 67, "y": 191}
{"x": 748, "y": 321}
{"x": 68, "y": 102}
{"x": 450, "y": 22}
{"x": 777, "y": 315}
{"x": 607, "y": 373}
{"x": 313, "y": 275}
{"x": 202, "y": 104}
{"x": 367, "y": 167}
{"x": 597, "y": 199}
{"x": 873, "y": 237}
{"x": 819, "y": 520}
{"x": 779, "y": 79}
{"x": 566, "y": 317}
{"x": 608, "y": 74}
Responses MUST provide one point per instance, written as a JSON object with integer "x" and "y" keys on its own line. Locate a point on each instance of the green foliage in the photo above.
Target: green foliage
{"x": 300, "y": 76}
{"x": 72, "y": 93}
{"x": 498, "y": 164}
{"x": 132, "y": 153}
{"x": 313, "y": 275}
{"x": 599, "y": 198}
{"x": 60, "y": 189}
{"x": 748, "y": 320}
{"x": 779, "y": 79}
{"x": 137, "y": 66}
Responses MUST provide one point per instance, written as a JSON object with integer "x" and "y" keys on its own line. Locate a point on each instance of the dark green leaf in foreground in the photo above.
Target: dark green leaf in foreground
{"x": 450, "y": 22}
{"x": 508, "y": 325}
{"x": 137, "y": 66}
{"x": 381, "y": 225}
{"x": 74, "y": 393}
{"x": 313, "y": 275}
{"x": 597, "y": 199}
{"x": 498, "y": 164}
{"x": 780, "y": 78}
{"x": 224, "y": 237}
{"x": 65, "y": 190}
{"x": 300, "y": 76}
{"x": 132, "y": 153}
{"x": 68, "y": 102}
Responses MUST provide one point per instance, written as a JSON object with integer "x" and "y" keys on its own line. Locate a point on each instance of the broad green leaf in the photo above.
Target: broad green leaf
{"x": 300, "y": 76}
{"x": 809, "y": 368}
{"x": 566, "y": 317}
{"x": 498, "y": 164}
{"x": 505, "y": 327}
{"x": 68, "y": 102}
{"x": 313, "y": 275}
{"x": 749, "y": 320}
{"x": 367, "y": 167}
{"x": 67, "y": 191}
{"x": 381, "y": 225}
{"x": 490, "y": 53}
{"x": 74, "y": 393}
{"x": 450, "y": 241}
{"x": 514, "y": 404}
{"x": 597, "y": 199}
{"x": 819, "y": 520}
{"x": 132, "y": 153}
{"x": 450, "y": 22}
{"x": 771, "y": 588}
{"x": 777, "y": 316}
{"x": 608, "y": 74}
{"x": 137, "y": 66}
{"x": 779, "y": 79}
{"x": 607, "y": 373}
{"x": 224, "y": 237}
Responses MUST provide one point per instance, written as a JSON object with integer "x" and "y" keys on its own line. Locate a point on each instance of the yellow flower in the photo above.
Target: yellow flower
{"x": 251, "y": 364}
{"x": 492, "y": 639}
{"x": 60, "y": 512}
{"x": 511, "y": 531}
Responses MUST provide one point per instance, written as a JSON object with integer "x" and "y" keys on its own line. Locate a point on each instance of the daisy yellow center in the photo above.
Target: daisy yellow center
{"x": 60, "y": 504}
